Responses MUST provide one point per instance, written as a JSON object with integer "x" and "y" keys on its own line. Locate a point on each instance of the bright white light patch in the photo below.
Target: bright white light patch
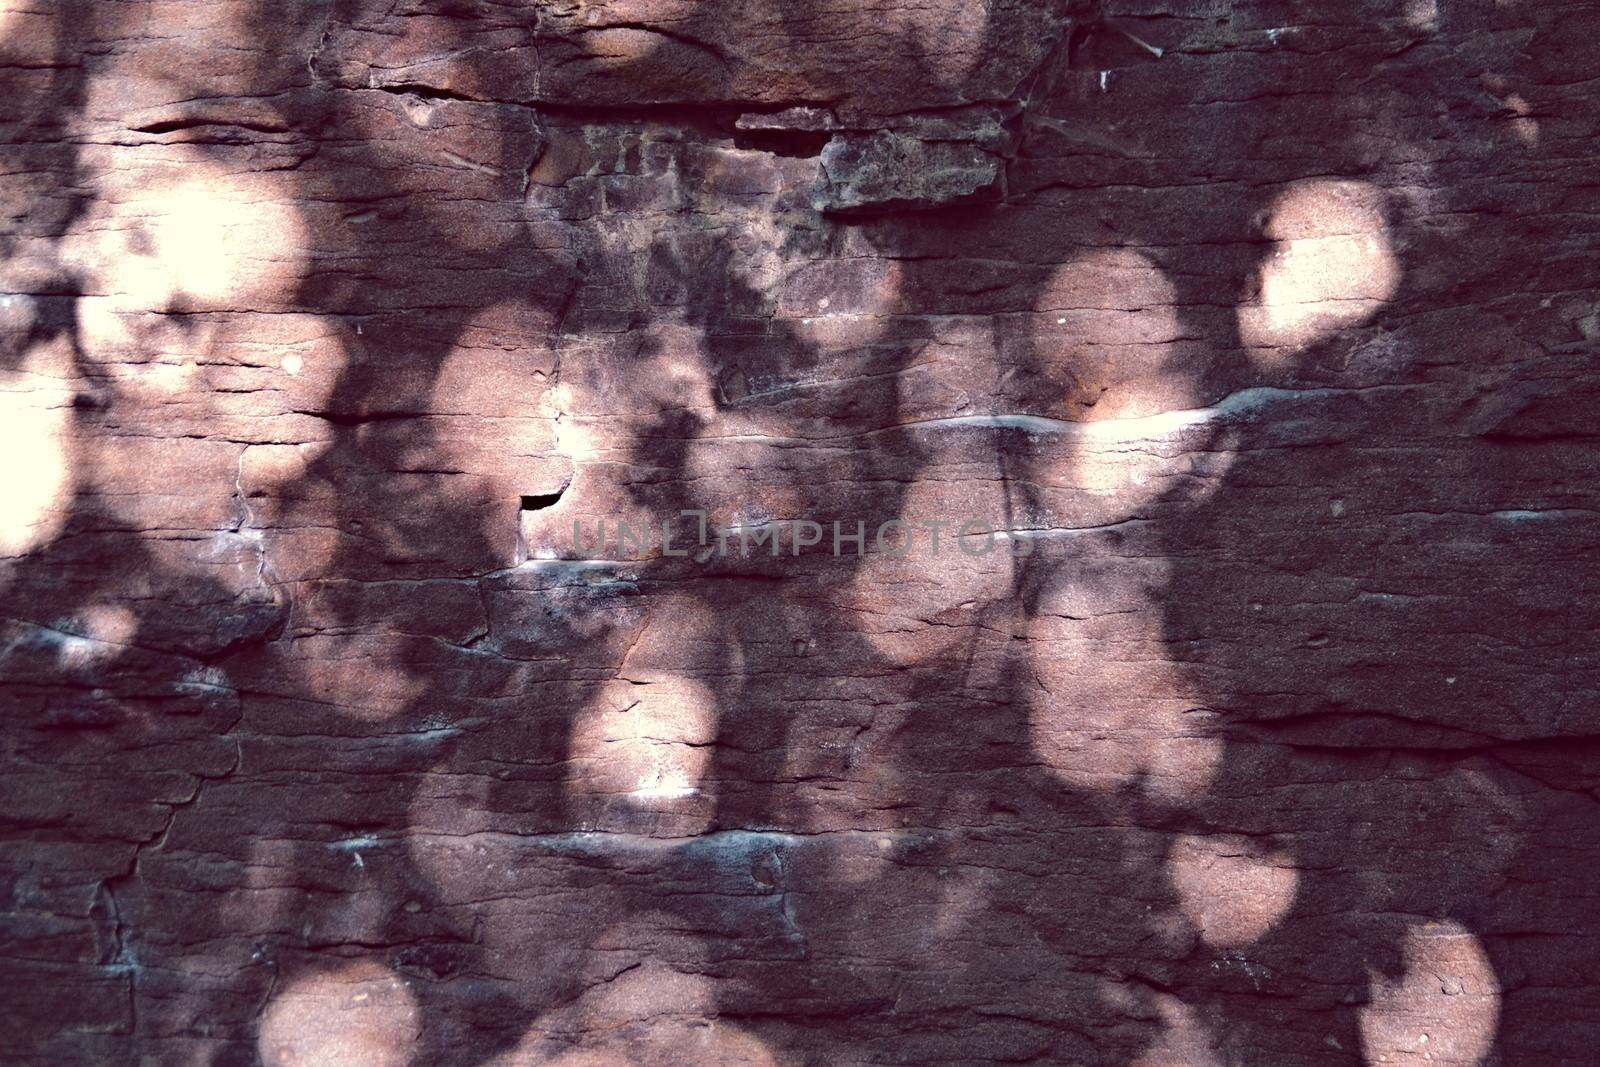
{"x": 36, "y": 484}
{"x": 1332, "y": 267}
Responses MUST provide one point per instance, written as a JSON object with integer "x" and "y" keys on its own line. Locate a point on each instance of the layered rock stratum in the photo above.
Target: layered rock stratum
{"x": 1243, "y": 355}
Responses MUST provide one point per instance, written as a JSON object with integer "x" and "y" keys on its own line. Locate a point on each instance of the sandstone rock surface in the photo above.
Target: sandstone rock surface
{"x": 1245, "y": 356}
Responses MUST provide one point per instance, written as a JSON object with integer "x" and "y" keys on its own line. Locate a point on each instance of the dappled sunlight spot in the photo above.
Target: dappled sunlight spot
{"x": 27, "y": 29}
{"x": 267, "y": 469}
{"x": 667, "y": 389}
{"x": 576, "y": 437}
{"x": 958, "y": 363}
{"x": 275, "y": 482}
{"x": 1184, "y": 1041}
{"x": 361, "y": 1015}
{"x": 498, "y": 363}
{"x": 300, "y": 356}
{"x": 153, "y": 74}
{"x": 461, "y": 835}
{"x": 1085, "y": 749}
{"x": 35, "y": 430}
{"x": 164, "y": 379}
{"x": 695, "y": 634}
{"x": 148, "y": 358}
{"x": 445, "y": 820}
{"x": 1443, "y": 1008}
{"x": 648, "y": 745}
{"x": 161, "y": 483}
{"x": 206, "y": 367}
{"x": 575, "y": 1058}
{"x": 1182, "y": 763}
{"x": 1522, "y": 124}
{"x": 1422, "y": 14}
{"x": 1106, "y": 321}
{"x": 1332, "y": 266}
{"x": 1233, "y": 892}
{"x": 1106, "y": 722}
{"x": 916, "y": 600}
{"x": 1108, "y": 741}
{"x": 652, "y": 991}
{"x": 949, "y": 38}
{"x": 189, "y": 233}
{"x": 1517, "y": 109}
{"x": 311, "y": 357}
{"x": 99, "y": 633}
{"x": 1105, "y": 326}
{"x": 1127, "y": 461}
{"x": 651, "y": 1013}
{"x": 113, "y": 624}
{"x": 676, "y": 374}
{"x": 358, "y": 677}
{"x": 496, "y": 424}
{"x": 837, "y": 302}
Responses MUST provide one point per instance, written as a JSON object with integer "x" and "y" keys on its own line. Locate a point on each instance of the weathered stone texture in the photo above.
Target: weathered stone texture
{"x": 1265, "y": 336}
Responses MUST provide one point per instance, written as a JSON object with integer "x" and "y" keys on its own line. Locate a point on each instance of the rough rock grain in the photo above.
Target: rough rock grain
{"x": 1260, "y": 344}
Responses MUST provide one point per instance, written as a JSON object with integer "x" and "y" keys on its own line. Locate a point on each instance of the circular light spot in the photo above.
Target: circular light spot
{"x": 648, "y": 743}
{"x": 193, "y": 233}
{"x": 1444, "y": 1006}
{"x": 1107, "y": 340}
{"x": 1230, "y": 892}
{"x": 1332, "y": 267}
{"x": 359, "y": 1016}
{"x": 36, "y": 483}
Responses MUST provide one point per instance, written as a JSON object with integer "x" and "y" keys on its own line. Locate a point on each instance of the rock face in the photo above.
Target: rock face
{"x": 926, "y": 165}
{"x": 781, "y": 533}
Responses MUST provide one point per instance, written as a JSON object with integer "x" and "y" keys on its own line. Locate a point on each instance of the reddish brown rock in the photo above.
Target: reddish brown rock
{"x": 1242, "y": 359}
